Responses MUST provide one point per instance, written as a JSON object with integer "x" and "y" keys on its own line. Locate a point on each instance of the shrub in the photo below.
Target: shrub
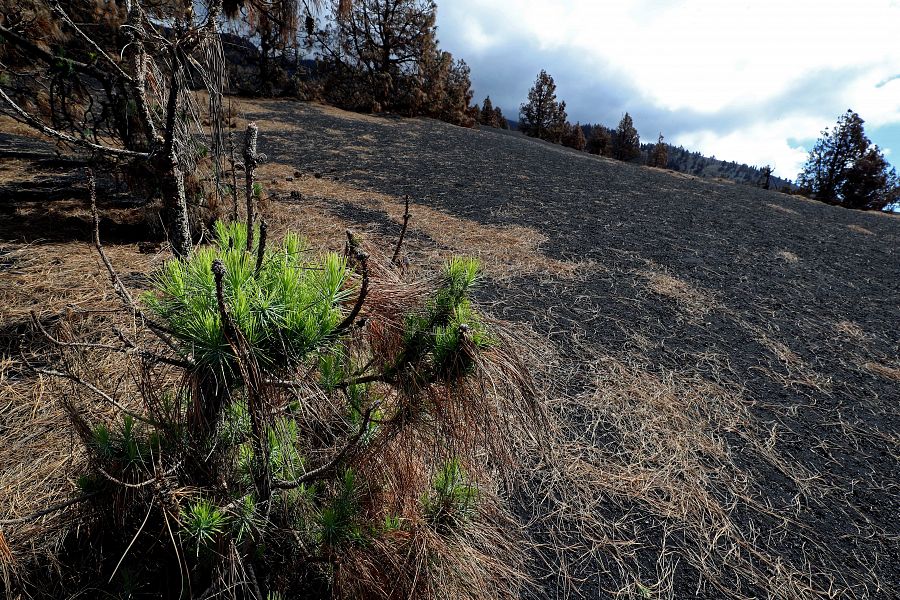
{"x": 308, "y": 424}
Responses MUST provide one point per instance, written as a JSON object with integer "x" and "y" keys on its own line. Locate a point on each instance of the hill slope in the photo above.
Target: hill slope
{"x": 726, "y": 359}
{"x": 740, "y": 346}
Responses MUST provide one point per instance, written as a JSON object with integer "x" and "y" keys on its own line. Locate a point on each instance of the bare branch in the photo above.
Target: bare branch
{"x": 320, "y": 472}
{"x": 34, "y": 50}
{"x": 362, "y": 257}
{"x": 103, "y": 395}
{"x": 402, "y": 231}
{"x": 251, "y": 160}
{"x": 47, "y": 511}
{"x": 161, "y": 332}
{"x": 27, "y": 118}
{"x": 59, "y": 10}
{"x": 261, "y": 249}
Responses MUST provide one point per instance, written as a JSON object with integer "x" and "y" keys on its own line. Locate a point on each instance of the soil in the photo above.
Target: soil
{"x": 789, "y": 303}
{"x": 777, "y": 280}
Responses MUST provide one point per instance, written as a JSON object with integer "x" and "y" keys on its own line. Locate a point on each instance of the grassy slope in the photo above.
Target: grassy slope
{"x": 733, "y": 353}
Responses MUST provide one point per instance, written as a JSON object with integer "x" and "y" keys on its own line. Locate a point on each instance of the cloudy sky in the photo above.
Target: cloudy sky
{"x": 753, "y": 82}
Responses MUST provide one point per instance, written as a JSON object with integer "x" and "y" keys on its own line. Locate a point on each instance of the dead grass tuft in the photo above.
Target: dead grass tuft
{"x": 860, "y": 229}
{"x": 851, "y": 330}
{"x": 796, "y": 371}
{"x": 788, "y": 256}
{"x": 888, "y": 372}
{"x": 692, "y": 300}
{"x": 782, "y": 209}
{"x": 656, "y": 448}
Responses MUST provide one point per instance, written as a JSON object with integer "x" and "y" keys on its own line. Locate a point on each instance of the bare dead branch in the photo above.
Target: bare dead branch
{"x": 55, "y": 6}
{"x": 402, "y": 232}
{"x": 34, "y": 50}
{"x": 325, "y": 469}
{"x": 90, "y": 386}
{"x": 261, "y": 249}
{"x": 161, "y": 332}
{"x": 64, "y": 137}
{"x": 362, "y": 257}
{"x": 251, "y": 161}
{"x": 50, "y": 510}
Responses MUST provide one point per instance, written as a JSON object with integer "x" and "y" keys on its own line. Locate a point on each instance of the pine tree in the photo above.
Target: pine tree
{"x": 765, "y": 177}
{"x": 626, "y": 141}
{"x": 600, "y": 141}
{"x": 871, "y": 183}
{"x": 659, "y": 157}
{"x": 845, "y": 168}
{"x": 501, "y": 121}
{"x": 574, "y": 137}
{"x": 488, "y": 115}
{"x": 542, "y": 116}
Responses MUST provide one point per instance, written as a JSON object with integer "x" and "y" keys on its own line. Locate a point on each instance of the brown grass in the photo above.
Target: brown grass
{"x": 657, "y": 441}
{"x": 788, "y": 256}
{"x": 691, "y": 299}
{"x": 39, "y": 453}
{"x": 12, "y": 126}
{"x": 782, "y": 209}
{"x": 505, "y": 251}
{"x": 882, "y": 370}
{"x": 860, "y": 229}
{"x": 795, "y": 371}
{"x": 851, "y": 330}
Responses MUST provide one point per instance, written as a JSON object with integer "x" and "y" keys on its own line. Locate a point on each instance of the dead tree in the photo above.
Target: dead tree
{"x": 765, "y": 177}
{"x": 133, "y": 103}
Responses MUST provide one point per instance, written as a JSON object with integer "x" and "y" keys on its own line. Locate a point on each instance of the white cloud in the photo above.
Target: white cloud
{"x": 707, "y": 57}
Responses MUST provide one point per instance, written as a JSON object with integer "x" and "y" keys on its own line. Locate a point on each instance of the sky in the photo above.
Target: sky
{"x": 754, "y": 82}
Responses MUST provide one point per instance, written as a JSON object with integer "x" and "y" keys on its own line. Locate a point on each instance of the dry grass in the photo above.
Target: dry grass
{"x": 40, "y": 454}
{"x": 882, "y": 370}
{"x": 505, "y": 251}
{"x": 782, "y": 209}
{"x": 788, "y": 256}
{"x": 795, "y": 371}
{"x": 859, "y": 229}
{"x": 692, "y": 300}
{"x": 851, "y": 330}
{"x": 660, "y": 443}
{"x": 12, "y": 126}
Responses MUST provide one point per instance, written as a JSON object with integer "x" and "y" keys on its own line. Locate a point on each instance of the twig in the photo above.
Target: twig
{"x": 261, "y": 249}
{"x": 34, "y": 51}
{"x": 133, "y": 540}
{"x": 66, "y": 137}
{"x": 76, "y": 379}
{"x": 128, "y": 346}
{"x": 59, "y": 10}
{"x": 47, "y": 511}
{"x": 402, "y": 232}
{"x": 142, "y": 484}
{"x": 62, "y": 344}
{"x": 362, "y": 257}
{"x": 327, "y": 467}
{"x": 250, "y": 164}
{"x": 234, "y": 164}
{"x": 160, "y": 331}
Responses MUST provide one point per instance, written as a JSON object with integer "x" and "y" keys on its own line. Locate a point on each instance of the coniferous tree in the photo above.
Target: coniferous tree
{"x": 626, "y": 141}
{"x": 844, "y": 167}
{"x": 659, "y": 157}
{"x": 501, "y": 121}
{"x": 487, "y": 115}
{"x": 574, "y": 137}
{"x": 600, "y": 141}
{"x": 542, "y": 116}
{"x": 765, "y": 177}
{"x": 871, "y": 183}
